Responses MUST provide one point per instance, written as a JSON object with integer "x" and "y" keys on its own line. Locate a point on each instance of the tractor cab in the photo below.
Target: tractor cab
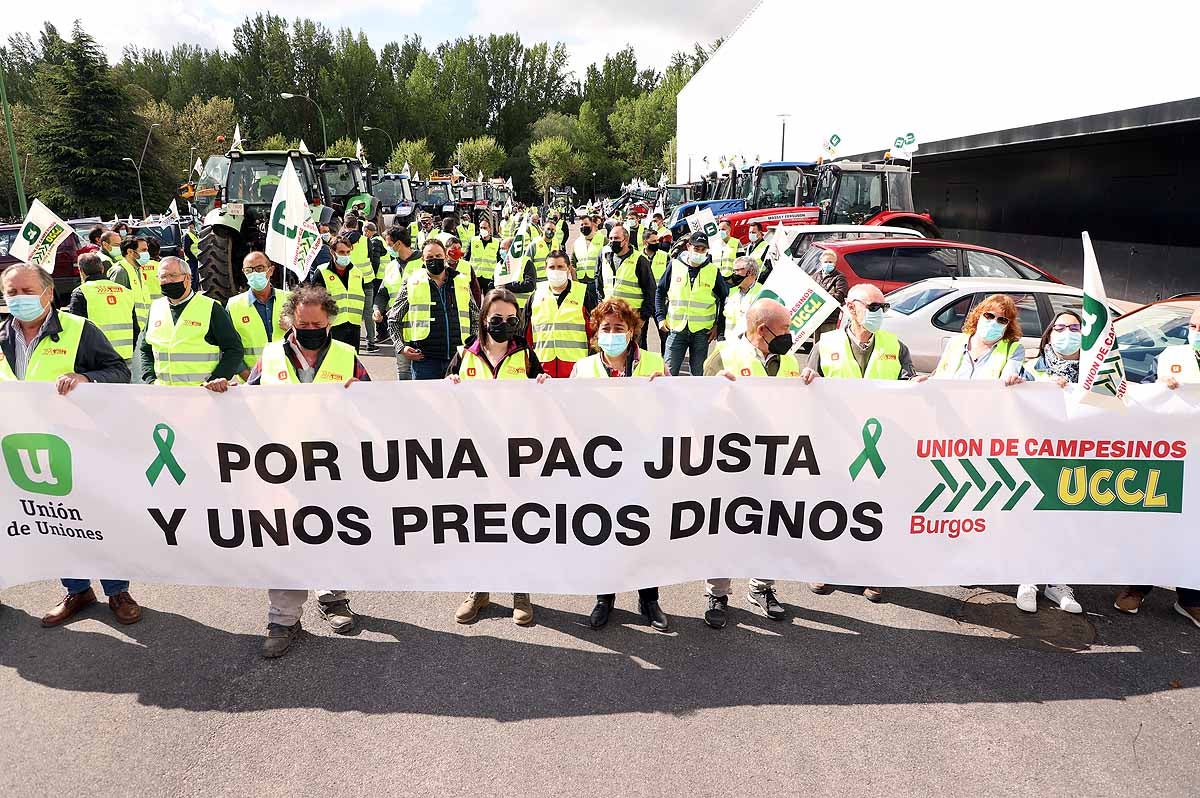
{"x": 393, "y": 192}
{"x": 785, "y": 187}
{"x": 346, "y": 180}
{"x": 677, "y": 194}
{"x": 869, "y": 193}
{"x": 474, "y": 201}
{"x": 438, "y": 199}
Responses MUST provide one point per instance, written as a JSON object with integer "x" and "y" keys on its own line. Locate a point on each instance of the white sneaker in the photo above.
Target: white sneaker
{"x": 1064, "y": 597}
{"x": 1027, "y": 598}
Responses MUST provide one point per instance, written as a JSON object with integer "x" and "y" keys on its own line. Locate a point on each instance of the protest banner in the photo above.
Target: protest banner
{"x": 1101, "y": 369}
{"x": 293, "y": 239}
{"x": 807, "y": 302}
{"x": 593, "y": 486}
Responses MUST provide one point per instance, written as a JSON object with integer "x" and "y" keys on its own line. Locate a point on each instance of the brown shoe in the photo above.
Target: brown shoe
{"x": 125, "y": 608}
{"x": 1129, "y": 600}
{"x": 69, "y": 607}
{"x": 873, "y": 594}
{"x": 820, "y": 588}
{"x": 1191, "y": 613}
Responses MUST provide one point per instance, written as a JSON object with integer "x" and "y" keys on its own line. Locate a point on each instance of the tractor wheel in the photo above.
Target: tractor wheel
{"x": 217, "y": 277}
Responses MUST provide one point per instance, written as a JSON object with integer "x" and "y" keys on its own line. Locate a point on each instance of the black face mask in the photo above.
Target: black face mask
{"x": 735, "y": 279}
{"x": 664, "y": 246}
{"x": 780, "y": 344}
{"x": 312, "y": 340}
{"x": 585, "y": 230}
{"x": 174, "y": 290}
{"x": 501, "y": 330}
{"x": 435, "y": 266}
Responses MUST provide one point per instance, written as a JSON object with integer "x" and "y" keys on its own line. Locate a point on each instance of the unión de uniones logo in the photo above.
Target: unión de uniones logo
{"x": 38, "y": 462}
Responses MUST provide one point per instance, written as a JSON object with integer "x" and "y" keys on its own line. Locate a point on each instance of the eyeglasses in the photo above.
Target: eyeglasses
{"x": 255, "y": 269}
{"x": 987, "y": 314}
{"x": 874, "y": 306}
{"x": 1065, "y": 327}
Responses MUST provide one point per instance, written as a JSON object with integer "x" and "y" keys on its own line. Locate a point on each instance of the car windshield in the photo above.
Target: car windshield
{"x": 437, "y": 192}
{"x": 776, "y": 189}
{"x": 676, "y": 196}
{"x": 344, "y": 179}
{"x": 467, "y": 193}
{"x": 254, "y": 180}
{"x": 392, "y": 190}
{"x": 7, "y": 237}
{"x": 1143, "y": 334}
{"x": 911, "y": 298}
{"x": 859, "y": 197}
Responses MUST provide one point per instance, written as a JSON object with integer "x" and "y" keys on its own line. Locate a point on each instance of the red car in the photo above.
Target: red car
{"x": 891, "y": 263}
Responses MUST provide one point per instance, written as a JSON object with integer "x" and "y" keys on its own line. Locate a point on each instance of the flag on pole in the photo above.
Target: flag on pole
{"x": 173, "y": 211}
{"x": 455, "y": 174}
{"x": 506, "y": 269}
{"x": 358, "y": 151}
{"x": 237, "y": 137}
{"x": 198, "y": 167}
{"x": 42, "y": 233}
{"x": 508, "y": 183}
{"x": 303, "y": 147}
{"x": 479, "y": 177}
{"x": 404, "y": 170}
{"x": 806, "y": 301}
{"x": 1101, "y": 369}
{"x": 416, "y": 177}
{"x": 292, "y": 238}
{"x": 781, "y": 240}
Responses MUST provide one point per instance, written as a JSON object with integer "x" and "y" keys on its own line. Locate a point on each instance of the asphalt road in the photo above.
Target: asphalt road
{"x": 936, "y": 691}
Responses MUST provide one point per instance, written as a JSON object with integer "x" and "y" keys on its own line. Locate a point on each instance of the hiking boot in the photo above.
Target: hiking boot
{"x": 339, "y": 615}
{"x": 714, "y": 616}
{"x": 279, "y": 639}
{"x": 469, "y": 609}
{"x": 522, "y": 609}
{"x": 765, "y": 600}
{"x": 125, "y": 608}
{"x": 1129, "y": 600}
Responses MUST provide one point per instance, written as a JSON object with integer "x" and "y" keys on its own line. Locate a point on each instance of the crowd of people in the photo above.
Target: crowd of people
{"x": 461, "y": 301}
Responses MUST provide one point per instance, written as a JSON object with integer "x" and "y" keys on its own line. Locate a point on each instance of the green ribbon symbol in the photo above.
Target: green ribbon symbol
{"x": 871, "y": 432}
{"x": 164, "y": 439}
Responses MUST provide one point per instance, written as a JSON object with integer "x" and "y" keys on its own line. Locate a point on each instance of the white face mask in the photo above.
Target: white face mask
{"x": 755, "y": 237}
{"x": 557, "y": 278}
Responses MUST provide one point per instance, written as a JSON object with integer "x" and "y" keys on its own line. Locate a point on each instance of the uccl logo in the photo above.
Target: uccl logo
{"x": 38, "y": 462}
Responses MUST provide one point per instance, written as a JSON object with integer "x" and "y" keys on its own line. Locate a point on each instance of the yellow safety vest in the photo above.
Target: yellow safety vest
{"x": 733, "y": 308}
{"x": 50, "y": 359}
{"x": 649, "y": 363}
{"x": 585, "y": 263}
{"x": 351, "y": 299}
{"x": 141, "y": 297}
{"x": 692, "y": 306}
{"x": 1179, "y": 361}
{"x": 110, "y": 307}
{"x": 181, "y": 355}
{"x": 540, "y": 250}
{"x": 740, "y": 360}
{"x": 559, "y": 331}
{"x": 518, "y": 265}
{"x": 956, "y": 350}
{"x": 658, "y": 265}
{"x": 731, "y": 244}
{"x": 360, "y": 260}
{"x": 624, "y": 283}
{"x": 838, "y": 361}
{"x": 193, "y": 244}
{"x": 418, "y": 320}
{"x": 277, "y": 368}
{"x": 249, "y": 324}
{"x": 150, "y": 279}
{"x": 466, "y": 232}
{"x": 515, "y": 366}
{"x": 483, "y": 257}
{"x": 395, "y": 275}
{"x": 759, "y": 251}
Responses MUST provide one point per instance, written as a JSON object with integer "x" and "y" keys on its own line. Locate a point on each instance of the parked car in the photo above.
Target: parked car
{"x": 891, "y": 263}
{"x": 66, "y": 276}
{"x": 927, "y": 314}
{"x": 1143, "y": 333}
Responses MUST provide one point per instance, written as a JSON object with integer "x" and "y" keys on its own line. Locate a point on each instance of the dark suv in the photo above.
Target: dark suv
{"x": 66, "y": 276}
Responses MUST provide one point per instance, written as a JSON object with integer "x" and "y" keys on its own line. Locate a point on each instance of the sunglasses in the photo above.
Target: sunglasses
{"x": 987, "y": 314}
{"x": 1065, "y": 327}
{"x": 874, "y": 306}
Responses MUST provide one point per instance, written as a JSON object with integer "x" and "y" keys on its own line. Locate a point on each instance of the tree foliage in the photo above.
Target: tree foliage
{"x": 416, "y": 154}
{"x": 554, "y": 161}
{"x": 480, "y": 154}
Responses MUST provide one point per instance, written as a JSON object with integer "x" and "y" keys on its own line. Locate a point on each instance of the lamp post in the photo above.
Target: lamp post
{"x": 593, "y": 187}
{"x": 391, "y": 145}
{"x": 138, "y": 169}
{"x": 287, "y": 95}
{"x": 783, "y": 118}
{"x": 12, "y": 148}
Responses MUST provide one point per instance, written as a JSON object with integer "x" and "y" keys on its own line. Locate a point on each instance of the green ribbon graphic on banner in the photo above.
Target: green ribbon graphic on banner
{"x": 871, "y": 432}
{"x": 164, "y": 439}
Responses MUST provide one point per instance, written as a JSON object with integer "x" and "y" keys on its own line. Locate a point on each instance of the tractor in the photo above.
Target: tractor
{"x": 393, "y": 192}
{"x": 473, "y": 203}
{"x": 234, "y": 198}
{"x": 434, "y": 197}
{"x": 348, "y": 189}
{"x": 780, "y": 185}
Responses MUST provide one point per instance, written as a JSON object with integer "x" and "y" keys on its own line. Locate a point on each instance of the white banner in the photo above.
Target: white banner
{"x": 42, "y": 233}
{"x": 293, "y": 239}
{"x": 807, "y": 302}
{"x": 586, "y": 486}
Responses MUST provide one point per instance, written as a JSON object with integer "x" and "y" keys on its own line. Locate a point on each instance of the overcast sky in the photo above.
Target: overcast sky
{"x": 590, "y": 30}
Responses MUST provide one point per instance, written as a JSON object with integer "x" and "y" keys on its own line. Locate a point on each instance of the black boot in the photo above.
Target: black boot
{"x": 654, "y": 615}
{"x": 600, "y": 613}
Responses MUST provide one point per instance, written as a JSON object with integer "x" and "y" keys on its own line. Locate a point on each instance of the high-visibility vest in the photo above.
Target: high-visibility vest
{"x": 956, "y": 350}
{"x": 394, "y": 276}
{"x": 277, "y": 368}
{"x": 623, "y": 284}
{"x": 648, "y": 364}
{"x": 838, "y": 361}
{"x": 141, "y": 298}
{"x": 466, "y": 232}
{"x": 110, "y": 307}
{"x": 181, "y": 355}
{"x": 692, "y": 306}
{"x": 351, "y": 299}
{"x": 740, "y": 360}
{"x": 514, "y": 366}
{"x": 50, "y": 359}
{"x": 587, "y": 255}
{"x": 734, "y": 304}
{"x": 414, "y": 231}
{"x": 539, "y": 249}
{"x": 559, "y": 331}
{"x": 658, "y": 265}
{"x": 483, "y": 257}
{"x": 519, "y": 265}
{"x": 725, "y": 265}
{"x": 150, "y": 280}
{"x": 758, "y": 250}
{"x": 418, "y": 320}
{"x": 1179, "y": 361}
{"x": 249, "y": 324}
{"x": 192, "y": 244}
{"x": 360, "y": 259}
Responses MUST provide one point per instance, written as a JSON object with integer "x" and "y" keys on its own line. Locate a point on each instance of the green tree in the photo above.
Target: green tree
{"x": 554, "y": 124}
{"x": 480, "y": 154}
{"x": 554, "y": 161}
{"x": 416, "y": 154}
{"x": 342, "y": 148}
{"x": 278, "y": 141}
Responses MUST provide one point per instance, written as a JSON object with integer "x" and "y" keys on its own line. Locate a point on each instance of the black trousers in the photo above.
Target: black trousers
{"x": 645, "y": 594}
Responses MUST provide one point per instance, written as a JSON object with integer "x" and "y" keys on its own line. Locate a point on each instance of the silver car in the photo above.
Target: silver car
{"x": 927, "y": 314}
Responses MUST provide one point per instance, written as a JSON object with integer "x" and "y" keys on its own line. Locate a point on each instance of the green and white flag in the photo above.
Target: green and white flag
{"x": 292, "y": 238}
{"x": 1101, "y": 369}
{"x": 42, "y": 233}
{"x": 511, "y": 259}
{"x": 807, "y": 302}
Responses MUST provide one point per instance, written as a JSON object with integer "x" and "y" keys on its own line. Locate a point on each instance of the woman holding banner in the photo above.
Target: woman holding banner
{"x": 989, "y": 346}
{"x": 617, "y": 325}
{"x": 497, "y": 353}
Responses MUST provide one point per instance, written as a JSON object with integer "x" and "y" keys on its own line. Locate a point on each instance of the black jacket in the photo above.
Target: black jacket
{"x": 645, "y": 278}
{"x": 96, "y": 358}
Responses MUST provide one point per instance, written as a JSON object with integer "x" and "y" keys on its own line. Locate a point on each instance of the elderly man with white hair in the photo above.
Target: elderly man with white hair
{"x": 744, "y": 289}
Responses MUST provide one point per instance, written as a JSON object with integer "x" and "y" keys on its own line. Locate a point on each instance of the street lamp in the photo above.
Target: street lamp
{"x": 368, "y": 129}
{"x": 12, "y": 147}
{"x": 593, "y": 187}
{"x": 138, "y": 169}
{"x": 287, "y": 95}
{"x": 783, "y": 134}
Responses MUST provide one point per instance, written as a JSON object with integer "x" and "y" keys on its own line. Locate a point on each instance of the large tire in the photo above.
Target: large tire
{"x": 217, "y": 277}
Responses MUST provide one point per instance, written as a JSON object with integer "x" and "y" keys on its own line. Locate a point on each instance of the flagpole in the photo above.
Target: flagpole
{"x": 12, "y": 148}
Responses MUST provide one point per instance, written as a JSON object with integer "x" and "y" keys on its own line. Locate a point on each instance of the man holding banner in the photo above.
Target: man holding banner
{"x": 689, "y": 300}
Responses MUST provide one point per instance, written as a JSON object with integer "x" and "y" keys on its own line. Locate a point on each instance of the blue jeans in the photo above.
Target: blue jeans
{"x": 111, "y": 586}
{"x": 694, "y": 342}
{"x": 429, "y": 369}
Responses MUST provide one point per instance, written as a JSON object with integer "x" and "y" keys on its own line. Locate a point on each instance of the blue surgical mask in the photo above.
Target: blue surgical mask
{"x": 612, "y": 344}
{"x": 25, "y": 307}
{"x": 1194, "y": 339}
{"x": 827, "y": 267}
{"x": 343, "y": 260}
{"x": 991, "y": 330}
{"x": 872, "y": 320}
{"x": 257, "y": 280}
{"x": 1066, "y": 342}
{"x": 143, "y": 258}
{"x": 326, "y": 236}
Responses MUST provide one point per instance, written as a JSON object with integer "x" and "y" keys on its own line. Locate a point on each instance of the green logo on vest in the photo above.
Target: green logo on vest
{"x": 38, "y": 462}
